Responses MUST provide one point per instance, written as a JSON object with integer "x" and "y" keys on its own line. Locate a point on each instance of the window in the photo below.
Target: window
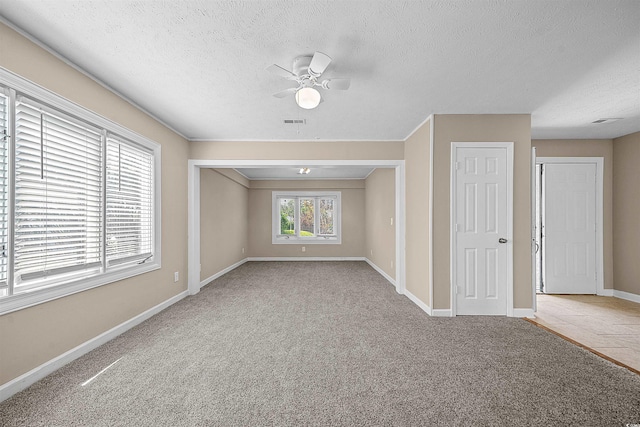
{"x": 58, "y": 203}
{"x": 129, "y": 202}
{"x": 4, "y": 243}
{"x": 309, "y": 217}
{"x": 79, "y": 197}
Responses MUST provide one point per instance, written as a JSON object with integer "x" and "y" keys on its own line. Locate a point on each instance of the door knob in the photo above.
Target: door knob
{"x": 502, "y": 240}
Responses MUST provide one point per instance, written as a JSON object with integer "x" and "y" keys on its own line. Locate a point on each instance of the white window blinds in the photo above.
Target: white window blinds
{"x": 129, "y": 202}
{"x": 58, "y": 197}
{"x": 79, "y": 197}
{"x": 4, "y": 162}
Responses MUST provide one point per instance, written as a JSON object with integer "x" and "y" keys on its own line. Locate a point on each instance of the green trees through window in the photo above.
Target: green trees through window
{"x": 306, "y": 215}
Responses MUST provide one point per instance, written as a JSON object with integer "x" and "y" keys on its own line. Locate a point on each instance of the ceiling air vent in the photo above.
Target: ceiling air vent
{"x": 295, "y": 121}
{"x": 611, "y": 120}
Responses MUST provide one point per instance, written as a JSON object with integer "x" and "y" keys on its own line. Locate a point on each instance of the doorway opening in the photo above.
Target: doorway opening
{"x": 195, "y": 165}
{"x": 568, "y": 231}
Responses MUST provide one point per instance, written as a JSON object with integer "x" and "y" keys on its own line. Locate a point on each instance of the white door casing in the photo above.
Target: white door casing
{"x": 482, "y": 176}
{"x": 194, "y": 166}
{"x": 569, "y": 228}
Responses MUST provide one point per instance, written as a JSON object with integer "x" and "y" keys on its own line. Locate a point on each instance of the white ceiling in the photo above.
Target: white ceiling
{"x": 198, "y": 65}
{"x": 317, "y": 172}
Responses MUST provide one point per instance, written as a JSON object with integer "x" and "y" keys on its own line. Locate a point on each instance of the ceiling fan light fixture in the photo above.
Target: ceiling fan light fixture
{"x": 308, "y": 98}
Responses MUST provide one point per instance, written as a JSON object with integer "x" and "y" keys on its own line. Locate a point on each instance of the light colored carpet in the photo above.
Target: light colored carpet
{"x": 327, "y": 343}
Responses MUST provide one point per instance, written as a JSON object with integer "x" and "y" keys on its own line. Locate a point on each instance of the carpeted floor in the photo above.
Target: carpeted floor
{"x": 327, "y": 343}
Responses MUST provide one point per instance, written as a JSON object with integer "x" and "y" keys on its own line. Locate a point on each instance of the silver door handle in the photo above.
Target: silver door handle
{"x": 502, "y": 240}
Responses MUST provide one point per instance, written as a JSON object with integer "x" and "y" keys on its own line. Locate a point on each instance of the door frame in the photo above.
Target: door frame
{"x": 508, "y": 146}
{"x": 193, "y": 178}
{"x": 599, "y": 162}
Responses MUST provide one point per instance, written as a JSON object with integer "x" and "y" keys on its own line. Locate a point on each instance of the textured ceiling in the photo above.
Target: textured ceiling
{"x": 199, "y": 65}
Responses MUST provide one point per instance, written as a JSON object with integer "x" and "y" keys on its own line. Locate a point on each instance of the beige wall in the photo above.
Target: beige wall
{"x": 417, "y": 170}
{"x": 514, "y": 128}
{"x": 224, "y": 219}
{"x": 380, "y": 210}
{"x": 34, "y": 335}
{"x": 352, "y": 150}
{"x": 590, "y": 148}
{"x": 353, "y": 223}
{"x": 626, "y": 213}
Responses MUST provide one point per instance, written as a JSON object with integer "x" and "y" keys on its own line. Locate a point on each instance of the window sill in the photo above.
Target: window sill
{"x": 306, "y": 241}
{"x": 28, "y": 299}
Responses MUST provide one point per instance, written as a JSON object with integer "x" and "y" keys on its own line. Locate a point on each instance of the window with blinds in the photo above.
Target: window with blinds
{"x": 4, "y": 176}
{"x": 58, "y": 196}
{"x": 79, "y": 197}
{"x": 129, "y": 202}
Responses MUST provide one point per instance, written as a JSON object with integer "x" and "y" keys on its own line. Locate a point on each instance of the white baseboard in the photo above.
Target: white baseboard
{"x": 606, "y": 292}
{"x": 306, "y": 258}
{"x": 626, "y": 295}
{"x": 25, "y": 380}
{"x": 223, "y": 272}
{"x": 379, "y": 270}
{"x": 441, "y": 312}
{"x": 522, "y": 312}
{"x": 418, "y": 302}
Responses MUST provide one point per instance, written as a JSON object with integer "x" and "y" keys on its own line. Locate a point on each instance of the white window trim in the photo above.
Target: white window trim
{"x": 278, "y": 239}
{"x": 79, "y": 282}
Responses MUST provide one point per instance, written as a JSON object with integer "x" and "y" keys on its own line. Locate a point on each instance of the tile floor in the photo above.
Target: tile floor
{"x": 608, "y": 325}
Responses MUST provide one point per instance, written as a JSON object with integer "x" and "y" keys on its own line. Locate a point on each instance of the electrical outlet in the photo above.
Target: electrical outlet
{"x": 242, "y": 250}
{"x": 176, "y": 276}
{"x": 371, "y": 252}
{"x": 391, "y": 220}
{"x": 304, "y": 249}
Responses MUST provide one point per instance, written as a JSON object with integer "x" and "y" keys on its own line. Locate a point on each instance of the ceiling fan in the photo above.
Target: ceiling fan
{"x": 306, "y": 71}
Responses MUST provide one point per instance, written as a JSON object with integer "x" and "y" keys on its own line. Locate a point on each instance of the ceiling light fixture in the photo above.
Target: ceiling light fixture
{"x": 308, "y": 98}
{"x": 304, "y": 171}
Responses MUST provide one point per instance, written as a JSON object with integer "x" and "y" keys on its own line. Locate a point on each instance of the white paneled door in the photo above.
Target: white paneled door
{"x": 569, "y": 228}
{"x": 481, "y": 230}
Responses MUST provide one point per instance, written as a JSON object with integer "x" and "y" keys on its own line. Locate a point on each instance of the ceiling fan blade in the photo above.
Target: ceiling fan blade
{"x": 286, "y": 92}
{"x": 336, "y": 84}
{"x": 279, "y": 71}
{"x": 319, "y": 63}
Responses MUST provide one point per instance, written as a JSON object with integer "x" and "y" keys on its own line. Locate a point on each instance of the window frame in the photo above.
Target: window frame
{"x": 296, "y": 239}
{"x": 68, "y": 284}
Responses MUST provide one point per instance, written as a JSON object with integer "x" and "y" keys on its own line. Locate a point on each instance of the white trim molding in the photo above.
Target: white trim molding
{"x": 417, "y": 301}
{"x": 401, "y": 221}
{"x": 193, "y": 229}
{"x": 523, "y": 312}
{"x": 625, "y": 295}
{"x": 381, "y": 272}
{"x": 25, "y": 380}
{"x": 432, "y": 136}
{"x": 306, "y": 258}
{"x": 534, "y": 254}
{"x": 442, "y": 312}
{"x": 222, "y": 272}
